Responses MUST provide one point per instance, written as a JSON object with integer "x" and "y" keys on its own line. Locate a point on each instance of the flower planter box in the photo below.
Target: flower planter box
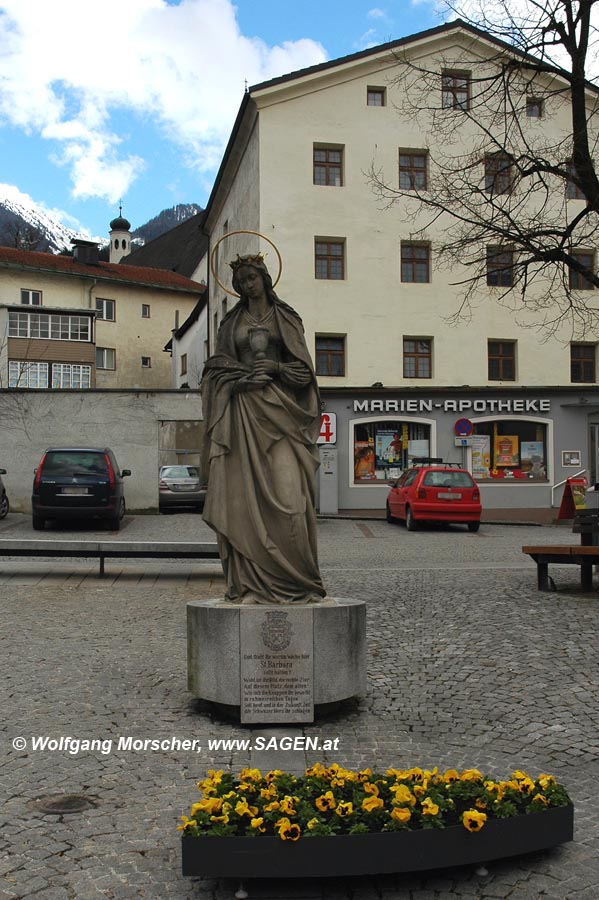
{"x": 376, "y": 854}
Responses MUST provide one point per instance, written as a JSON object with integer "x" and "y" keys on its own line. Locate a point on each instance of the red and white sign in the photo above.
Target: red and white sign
{"x": 328, "y": 429}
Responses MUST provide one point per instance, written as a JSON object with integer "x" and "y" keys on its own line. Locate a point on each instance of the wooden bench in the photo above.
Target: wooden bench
{"x": 109, "y": 549}
{"x": 567, "y": 554}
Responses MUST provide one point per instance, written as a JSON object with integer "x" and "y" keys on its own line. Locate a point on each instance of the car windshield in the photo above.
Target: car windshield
{"x": 179, "y": 472}
{"x": 447, "y": 479}
{"x": 68, "y": 462}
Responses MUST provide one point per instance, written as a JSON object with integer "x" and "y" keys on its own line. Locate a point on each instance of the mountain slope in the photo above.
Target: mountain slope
{"x": 164, "y": 221}
{"x": 26, "y": 226}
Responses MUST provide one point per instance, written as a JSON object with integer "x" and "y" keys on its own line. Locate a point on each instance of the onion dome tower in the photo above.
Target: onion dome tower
{"x": 120, "y": 237}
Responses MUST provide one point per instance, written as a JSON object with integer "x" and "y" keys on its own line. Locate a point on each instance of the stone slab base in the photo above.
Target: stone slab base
{"x": 213, "y": 648}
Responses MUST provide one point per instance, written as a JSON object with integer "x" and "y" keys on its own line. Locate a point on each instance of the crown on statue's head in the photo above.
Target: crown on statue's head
{"x": 257, "y": 260}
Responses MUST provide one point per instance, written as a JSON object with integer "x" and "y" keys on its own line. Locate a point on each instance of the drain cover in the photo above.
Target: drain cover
{"x": 61, "y": 804}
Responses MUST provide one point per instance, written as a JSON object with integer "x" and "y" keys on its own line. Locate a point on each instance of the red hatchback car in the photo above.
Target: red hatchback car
{"x": 433, "y": 491}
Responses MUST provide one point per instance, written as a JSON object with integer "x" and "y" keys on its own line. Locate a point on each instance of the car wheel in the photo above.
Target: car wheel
{"x": 4, "y": 506}
{"x": 473, "y": 526}
{"x": 390, "y": 518}
{"x": 38, "y": 523}
{"x": 114, "y": 524}
{"x": 410, "y": 520}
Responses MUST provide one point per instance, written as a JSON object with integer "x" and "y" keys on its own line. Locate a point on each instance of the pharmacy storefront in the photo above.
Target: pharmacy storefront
{"x": 520, "y": 445}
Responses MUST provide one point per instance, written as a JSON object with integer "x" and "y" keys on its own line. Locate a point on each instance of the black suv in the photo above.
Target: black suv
{"x": 78, "y": 482}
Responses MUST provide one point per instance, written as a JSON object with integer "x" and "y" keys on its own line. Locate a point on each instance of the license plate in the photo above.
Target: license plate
{"x": 75, "y": 491}
{"x": 448, "y": 496}
{"x": 182, "y": 487}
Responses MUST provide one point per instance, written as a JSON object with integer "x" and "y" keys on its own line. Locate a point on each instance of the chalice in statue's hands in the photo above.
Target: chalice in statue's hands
{"x": 258, "y": 338}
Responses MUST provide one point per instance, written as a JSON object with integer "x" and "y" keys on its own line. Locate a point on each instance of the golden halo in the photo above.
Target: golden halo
{"x": 243, "y": 231}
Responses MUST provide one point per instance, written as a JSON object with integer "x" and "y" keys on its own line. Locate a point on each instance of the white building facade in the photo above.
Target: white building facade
{"x": 373, "y": 300}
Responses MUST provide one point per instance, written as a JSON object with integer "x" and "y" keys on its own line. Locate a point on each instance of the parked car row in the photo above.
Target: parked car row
{"x": 87, "y": 483}
{"x": 433, "y": 491}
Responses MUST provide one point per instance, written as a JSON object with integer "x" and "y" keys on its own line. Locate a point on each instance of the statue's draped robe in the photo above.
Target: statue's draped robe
{"x": 263, "y": 459}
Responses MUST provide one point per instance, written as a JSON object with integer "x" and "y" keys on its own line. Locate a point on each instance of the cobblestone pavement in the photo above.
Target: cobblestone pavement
{"x": 468, "y": 665}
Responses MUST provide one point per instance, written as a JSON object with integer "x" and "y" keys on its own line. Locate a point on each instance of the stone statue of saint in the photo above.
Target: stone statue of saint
{"x": 262, "y": 414}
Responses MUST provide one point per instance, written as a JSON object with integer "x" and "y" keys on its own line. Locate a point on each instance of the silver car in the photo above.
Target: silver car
{"x": 4, "y": 505}
{"x": 180, "y": 486}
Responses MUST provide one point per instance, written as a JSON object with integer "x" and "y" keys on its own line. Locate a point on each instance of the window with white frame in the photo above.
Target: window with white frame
{"x": 145, "y": 310}
{"x": 146, "y": 362}
{"x": 71, "y": 375}
{"x": 22, "y": 374}
{"x": 105, "y": 309}
{"x": 49, "y": 327}
{"x": 31, "y": 298}
{"x": 105, "y": 358}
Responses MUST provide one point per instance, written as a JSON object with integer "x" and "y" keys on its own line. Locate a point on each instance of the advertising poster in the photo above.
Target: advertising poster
{"x": 506, "y": 450}
{"x": 364, "y": 468}
{"x": 481, "y": 455}
{"x": 531, "y": 458}
{"x": 389, "y": 446}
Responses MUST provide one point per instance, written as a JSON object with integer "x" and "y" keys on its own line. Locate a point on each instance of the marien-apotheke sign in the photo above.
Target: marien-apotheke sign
{"x": 487, "y": 405}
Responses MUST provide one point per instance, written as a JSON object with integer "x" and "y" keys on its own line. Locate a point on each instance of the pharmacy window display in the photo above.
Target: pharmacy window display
{"x": 382, "y": 450}
{"x": 510, "y": 449}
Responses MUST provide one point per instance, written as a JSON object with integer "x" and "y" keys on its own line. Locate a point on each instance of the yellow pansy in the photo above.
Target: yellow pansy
{"x": 429, "y": 807}
{"x": 402, "y": 795}
{"x": 258, "y": 824}
{"x": 473, "y": 820}
{"x": 538, "y": 797}
{"x": 286, "y": 805}
{"x": 451, "y": 775}
{"x": 187, "y": 823}
{"x": 317, "y": 770}
{"x": 370, "y": 804}
{"x": 313, "y": 823}
{"x": 269, "y": 792}
{"x": 370, "y": 788}
{"x": 272, "y": 807}
{"x": 325, "y": 801}
{"x": 250, "y": 775}
{"x": 212, "y": 805}
{"x": 274, "y": 773}
{"x": 344, "y": 809}
{"x": 401, "y": 814}
{"x": 287, "y": 831}
{"x": 546, "y": 781}
{"x": 242, "y": 809}
{"x": 471, "y": 775}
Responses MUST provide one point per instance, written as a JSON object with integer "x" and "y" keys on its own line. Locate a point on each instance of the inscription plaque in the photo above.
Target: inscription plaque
{"x": 277, "y": 664}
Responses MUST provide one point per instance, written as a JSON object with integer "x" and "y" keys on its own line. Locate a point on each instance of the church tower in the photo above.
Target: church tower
{"x": 120, "y": 238}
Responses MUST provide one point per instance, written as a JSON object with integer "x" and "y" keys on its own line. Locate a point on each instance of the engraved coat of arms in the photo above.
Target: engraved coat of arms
{"x": 276, "y": 630}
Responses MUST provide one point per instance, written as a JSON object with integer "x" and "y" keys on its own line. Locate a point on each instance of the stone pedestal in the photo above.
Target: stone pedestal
{"x": 276, "y": 663}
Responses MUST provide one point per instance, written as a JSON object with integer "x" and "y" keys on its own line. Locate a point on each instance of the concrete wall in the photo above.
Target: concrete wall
{"x": 137, "y": 425}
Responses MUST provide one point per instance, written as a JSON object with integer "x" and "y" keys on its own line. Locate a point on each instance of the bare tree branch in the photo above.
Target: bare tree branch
{"x": 512, "y": 162}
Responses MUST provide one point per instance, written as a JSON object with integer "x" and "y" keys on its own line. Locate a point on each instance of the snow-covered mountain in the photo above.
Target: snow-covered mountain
{"x": 28, "y": 226}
